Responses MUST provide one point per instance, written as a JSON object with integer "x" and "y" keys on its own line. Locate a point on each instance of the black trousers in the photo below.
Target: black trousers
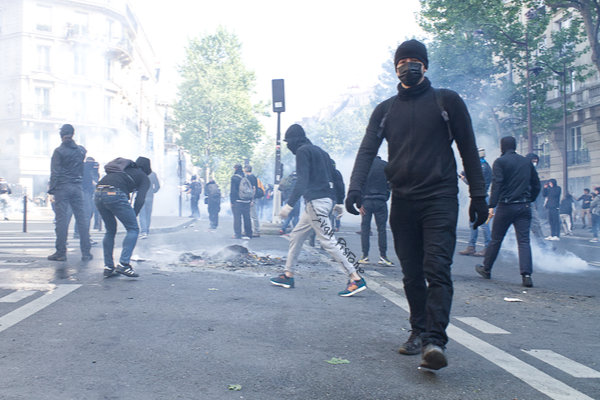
{"x": 518, "y": 215}
{"x": 425, "y": 238}
{"x": 194, "y": 205}
{"x": 213, "y": 212}
{"x": 69, "y": 197}
{"x": 554, "y": 220}
{"x": 377, "y": 208}
{"x": 241, "y": 210}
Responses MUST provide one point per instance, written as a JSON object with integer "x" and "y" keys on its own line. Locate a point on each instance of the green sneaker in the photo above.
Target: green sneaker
{"x": 353, "y": 288}
{"x": 283, "y": 281}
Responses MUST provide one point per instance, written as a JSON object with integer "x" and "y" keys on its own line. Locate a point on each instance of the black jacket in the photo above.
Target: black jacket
{"x": 133, "y": 179}
{"x": 234, "y": 192}
{"x": 552, "y": 195}
{"x": 316, "y": 174}
{"x": 566, "y": 205}
{"x": 421, "y": 162}
{"x": 376, "y": 187}
{"x": 66, "y": 165}
{"x": 91, "y": 175}
{"x": 515, "y": 180}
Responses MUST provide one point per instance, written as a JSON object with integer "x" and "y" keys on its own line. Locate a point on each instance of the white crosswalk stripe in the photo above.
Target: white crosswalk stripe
{"x": 482, "y": 326}
{"x": 563, "y": 363}
{"x": 17, "y": 296}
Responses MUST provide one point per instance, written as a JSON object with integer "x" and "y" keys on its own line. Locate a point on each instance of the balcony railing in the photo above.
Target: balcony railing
{"x": 575, "y": 157}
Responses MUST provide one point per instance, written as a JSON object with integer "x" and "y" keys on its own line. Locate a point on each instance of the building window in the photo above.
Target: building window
{"x": 577, "y": 152}
{"x": 79, "y": 62}
{"x": 41, "y": 145}
{"x": 43, "y": 58}
{"x": 79, "y": 103}
{"x": 43, "y": 18}
{"x": 42, "y": 102}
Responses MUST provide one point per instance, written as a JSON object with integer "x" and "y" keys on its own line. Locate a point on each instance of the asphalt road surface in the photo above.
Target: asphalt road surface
{"x": 202, "y": 329}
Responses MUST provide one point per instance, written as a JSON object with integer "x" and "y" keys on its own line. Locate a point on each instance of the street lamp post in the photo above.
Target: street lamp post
{"x": 278, "y": 107}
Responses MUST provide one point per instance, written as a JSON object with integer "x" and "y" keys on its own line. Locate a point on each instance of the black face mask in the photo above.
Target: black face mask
{"x": 410, "y": 73}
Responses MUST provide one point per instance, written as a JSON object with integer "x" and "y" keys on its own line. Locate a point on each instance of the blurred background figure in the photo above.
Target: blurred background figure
{"x": 4, "y": 198}
{"x": 146, "y": 211}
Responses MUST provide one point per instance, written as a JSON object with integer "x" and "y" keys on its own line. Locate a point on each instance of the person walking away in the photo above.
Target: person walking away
{"x": 146, "y": 211}
{"x": 485, "y": 228}
{"x": 420, "y": 123}
{"x": 258, "y": 194}
{"x": 595, "y": 213}
{"x": 212, "y": 199}
{"x": 194, "y": 190}
{"x": 240, "y": 195}
{"x": 318, "y": 185}
{"x": 375, "y": 195}
{"x": 552, "y": 194}
{"x": 536, "y": 223}
{"x": 66, "y": 176}
{"x": 515, "y": 185}
{"x": 4, "y": 197}
{"x": 123, "y": 177}
{"x": 586, "y": 201}
{"x": 285, "y": 187}
{"x": 565, "y": 210}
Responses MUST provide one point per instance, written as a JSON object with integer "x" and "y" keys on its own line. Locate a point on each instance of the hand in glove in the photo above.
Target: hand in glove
{"x": 338, "y": 210}
{"x": 285, "y": 211}
{"x": 478, "y": 211}
{"x": 354, "y": 197}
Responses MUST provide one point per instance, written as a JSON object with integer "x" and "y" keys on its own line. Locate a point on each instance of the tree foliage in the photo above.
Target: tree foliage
{"x": 214, "y": 115}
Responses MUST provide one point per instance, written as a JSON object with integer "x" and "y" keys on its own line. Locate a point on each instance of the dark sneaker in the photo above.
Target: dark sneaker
{"x": 527, "y": 282}
{"x": 483, "y": 271}
{"x": 57, "y": 257}
{"x": 353, "y": 288}
{"x": 86, "y": 257}
{"x": 433, "y": 357}
{"x": 413, "y": 345}
{"x": 127, "y": 270}
{"x": 283, "y": 281}
{"x": 109, "y": 271}
{"x": 385, "y": 261}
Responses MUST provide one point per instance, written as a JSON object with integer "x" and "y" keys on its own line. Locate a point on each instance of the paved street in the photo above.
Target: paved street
{"x": 185, "y": 331}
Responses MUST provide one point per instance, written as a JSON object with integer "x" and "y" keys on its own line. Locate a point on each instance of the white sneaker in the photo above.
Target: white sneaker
{"x": 385, "y": 261}
{"x": 549, "y": 238}
{"x": 555, "y": 238}
{"x": 594, "y": 240}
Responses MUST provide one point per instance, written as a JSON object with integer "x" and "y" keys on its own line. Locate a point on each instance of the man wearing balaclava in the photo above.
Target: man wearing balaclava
{"x": 122, "y": 177}
{"x": 515, "y": 185}
{"x": 323, "y": 194}
{"x": 66, "y": 176}
{"x": 420, "y": 123}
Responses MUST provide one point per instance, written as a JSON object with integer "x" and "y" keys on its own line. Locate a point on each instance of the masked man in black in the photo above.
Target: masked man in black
{"x": 420, "y": 123}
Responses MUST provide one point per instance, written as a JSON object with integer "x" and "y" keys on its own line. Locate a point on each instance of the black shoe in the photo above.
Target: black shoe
{"x": 93, "y": 243}
{"x": 413, "y": 345}
{"x": 483, "y": 271}
{"x": 57, "y": 257}
{"x": 433, "y": 357}
{"x": 86, "y": 257}
{"x": 125, "y": 269}
{"x": 109, "y": 271}
{"x": 527, "y": 282}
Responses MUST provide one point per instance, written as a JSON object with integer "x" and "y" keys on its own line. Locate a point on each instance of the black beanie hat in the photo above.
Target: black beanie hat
{"x": 294, "y": 132}
{"x": 67, "y": 130}
{"x": 412, "y": 49}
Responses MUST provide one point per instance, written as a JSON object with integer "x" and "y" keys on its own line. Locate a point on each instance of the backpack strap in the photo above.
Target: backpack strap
{"x": 440, "y": 103}
{"x": 381, "y": 128}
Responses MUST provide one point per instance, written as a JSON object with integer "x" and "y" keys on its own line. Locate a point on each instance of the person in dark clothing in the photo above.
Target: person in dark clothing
{"x": 552, "y": 194}
{"x": 586, "y": 201}
{"x": 375, "y": 195}
{"x": 194, "y": 189}
{"x": 285, "y": 187}
{"x": 595, "y": 212}
{"x": 536, "y": 224}
{"x": 487, "y": 177}
{"x": 515, "y": 186}
{"x": 565, "y": 209}
{"x": 66, "y": 176}
{"x": 240, "y": 208}
{"x": 253, "y": 204}
{"x": 212, "y": 198}
{"x": 146, "y": 211}
{"x": 321, "y": 189}
{"x": 112, "y": 199}
{"x": 419, "y": 124}
{"x": 5, "y": 191}
{"x": 88, "y": 185}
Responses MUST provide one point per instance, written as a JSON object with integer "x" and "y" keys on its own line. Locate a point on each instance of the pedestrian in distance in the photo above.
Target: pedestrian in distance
{"x": 123, "y": 178}
{"x": 552, "y": 194}
{"x": 322, "y": 193}
{"x": 258, "y": 194}
{"x": 485, "y": 228}
{"x": 212, "y": 198}
{"x": 565, "y": 210}
{"x": 146, "y": 211}
{"x": 536, "y": 223}
{"x": 515, "y": 185}
{"x": 194, "y": 189}
{"x": 420, "y": 123}
{"x": 285, "y": 187}
{"x": 375, "y": 195}
{"x": 5, "y": 191}
{"x": 586, "y": 201}
{"x": 241, "y": 195}
{"x": 66, "y": 176}
{"x": 595, "y": 212}
{"x": 88, "y": 185}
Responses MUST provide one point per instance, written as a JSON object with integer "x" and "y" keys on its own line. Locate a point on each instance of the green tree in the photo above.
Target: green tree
{"x": 214, "y": 115}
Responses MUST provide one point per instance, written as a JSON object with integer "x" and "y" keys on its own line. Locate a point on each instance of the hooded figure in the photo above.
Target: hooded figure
{"x": 295, "y": 137}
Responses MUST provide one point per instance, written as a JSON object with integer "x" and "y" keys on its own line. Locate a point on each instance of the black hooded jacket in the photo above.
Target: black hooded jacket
{"x": 135, "y": 178}
{"x": 515, "y": 180}
{"x": 421, "y": 162}
{"x": 66, "y": 166}
{"x": 552, "y": 195}
{"x": 377, "y": 187}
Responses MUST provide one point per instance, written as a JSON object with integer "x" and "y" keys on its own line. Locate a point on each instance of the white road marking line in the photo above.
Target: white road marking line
{"x": 594, "y": 263}
{"x": 535, "y": 378}
{"x": 482, "y": 325}
{"x": 563, "y": 363}
{"x": 17, "y": 296}
{"x": 18, "y": 315}
{"x": 27, "y": 286}
{"x": 373, "y": 273}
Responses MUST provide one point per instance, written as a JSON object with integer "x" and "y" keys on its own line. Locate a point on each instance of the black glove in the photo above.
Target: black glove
{"x": 478, "y": 211}
{"x": 354, "y": 197}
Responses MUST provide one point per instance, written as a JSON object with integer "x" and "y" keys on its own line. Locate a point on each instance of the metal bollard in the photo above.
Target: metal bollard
{"x": 25, "y": 214}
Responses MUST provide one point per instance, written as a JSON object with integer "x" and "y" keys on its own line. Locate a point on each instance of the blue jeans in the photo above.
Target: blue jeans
{"x": 292, "y": 218}
{"x": 114, "y": 204}
{"x": 595, "y": 225}
{"x": 486, "y": 235}
{"x": 146, "y": 215}
{"x": 69, "y": 197}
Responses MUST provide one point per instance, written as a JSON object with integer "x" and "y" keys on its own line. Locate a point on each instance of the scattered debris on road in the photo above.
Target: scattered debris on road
{"x": 234, "y": 256}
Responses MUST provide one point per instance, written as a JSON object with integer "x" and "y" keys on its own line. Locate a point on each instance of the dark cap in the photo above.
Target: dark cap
{"x": 143, "y": 163}
{"x": 412, "y": 49}
{"x": 294, "y": 132}
{"x": 67, "y": 130}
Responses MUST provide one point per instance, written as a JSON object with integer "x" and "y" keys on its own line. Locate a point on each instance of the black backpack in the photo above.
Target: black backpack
{"x": 118, "y": 165}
